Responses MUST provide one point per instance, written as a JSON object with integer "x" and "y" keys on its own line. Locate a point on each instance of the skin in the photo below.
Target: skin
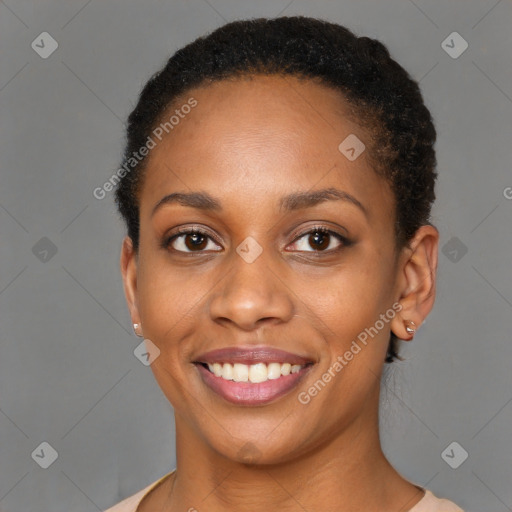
{"x": 248, "y": 143}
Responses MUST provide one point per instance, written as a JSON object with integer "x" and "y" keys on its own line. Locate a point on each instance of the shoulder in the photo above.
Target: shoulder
{"x": 431, "y": 503}
{"x": 131, "y": 503}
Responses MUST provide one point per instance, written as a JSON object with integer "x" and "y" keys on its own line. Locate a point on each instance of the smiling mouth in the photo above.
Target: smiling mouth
{"x": 253, "y": 385}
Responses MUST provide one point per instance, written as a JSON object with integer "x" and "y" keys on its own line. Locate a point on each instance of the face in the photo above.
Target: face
{"x": 279, "y": 249}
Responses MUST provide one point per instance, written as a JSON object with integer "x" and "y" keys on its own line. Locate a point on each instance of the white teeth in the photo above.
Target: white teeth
{"x": 273, "y": 371}
{"x": 217, "y": 369}
{"x": 255, "y": 373}
{"x": 258, "y": 373}
{"x": 227, "y": 371}
{"x": 286, "y": 369}
{"x": 240, "y": 372}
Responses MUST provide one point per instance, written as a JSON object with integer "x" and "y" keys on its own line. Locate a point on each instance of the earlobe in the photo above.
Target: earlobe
{"x": 129, "y": 272}
{"x": 416, "y": 282}
{"x": 137, "y": 329}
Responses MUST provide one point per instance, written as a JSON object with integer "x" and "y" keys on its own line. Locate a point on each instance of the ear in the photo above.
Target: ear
{"x": 129, "y": 273}
{"x": 416, "y": 283}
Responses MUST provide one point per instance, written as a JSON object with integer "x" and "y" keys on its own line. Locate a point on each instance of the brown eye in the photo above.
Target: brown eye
{"x": 191, "y": 241}
{"x": 320, "y": 240}
{"x": 195, "y": 241}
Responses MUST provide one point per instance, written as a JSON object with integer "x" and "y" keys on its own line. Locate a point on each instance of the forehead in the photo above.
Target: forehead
{"x": 258, "y": 137}
{"x": 266, "y": 112}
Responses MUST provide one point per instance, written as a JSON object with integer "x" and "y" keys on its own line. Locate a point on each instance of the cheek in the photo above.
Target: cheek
{"x": 347, "y": 299}
{"x": 344, "y": 309}
{"x": 167, "y": 315}
{"x": 171, "y": 302}
{"x": 158, "y": 294}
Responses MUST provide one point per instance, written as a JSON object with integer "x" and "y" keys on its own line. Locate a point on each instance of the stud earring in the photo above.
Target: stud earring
{"x": 410, "y": 327}
{"x": 137, "y": 330}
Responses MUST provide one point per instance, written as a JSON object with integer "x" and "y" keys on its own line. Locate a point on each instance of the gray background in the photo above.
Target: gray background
{"x": 68, "y": 375}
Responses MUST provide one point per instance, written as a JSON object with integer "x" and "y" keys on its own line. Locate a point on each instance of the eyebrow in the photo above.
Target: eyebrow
{"x": 300, "y": 200}
{"x": 199, "y": 200}
{"x": 289, "y": 203}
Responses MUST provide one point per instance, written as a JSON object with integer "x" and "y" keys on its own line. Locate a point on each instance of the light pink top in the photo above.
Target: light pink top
{"x": 429, "y": 503}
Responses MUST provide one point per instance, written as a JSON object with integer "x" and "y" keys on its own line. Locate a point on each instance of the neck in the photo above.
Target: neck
{"x": 349, "y": 469}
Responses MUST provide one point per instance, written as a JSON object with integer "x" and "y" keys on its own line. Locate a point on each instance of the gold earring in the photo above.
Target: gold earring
{"x": 410, "y": 327}
{"x": 137, "y": 330}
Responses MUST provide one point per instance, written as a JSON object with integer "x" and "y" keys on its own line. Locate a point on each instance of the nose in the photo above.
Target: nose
{"x": 253, "y": 294}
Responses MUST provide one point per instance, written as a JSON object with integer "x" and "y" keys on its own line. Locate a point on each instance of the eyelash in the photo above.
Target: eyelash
{"x": 316, "y": 229}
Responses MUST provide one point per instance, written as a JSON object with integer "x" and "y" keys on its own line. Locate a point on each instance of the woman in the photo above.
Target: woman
{"x": 277, "y": 187}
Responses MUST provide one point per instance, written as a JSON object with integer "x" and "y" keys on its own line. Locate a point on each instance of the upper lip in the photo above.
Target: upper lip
{"x": 251, "y": 355}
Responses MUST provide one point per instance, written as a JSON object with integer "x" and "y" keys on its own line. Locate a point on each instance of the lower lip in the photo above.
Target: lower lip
{"x": 247, "y": 393}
